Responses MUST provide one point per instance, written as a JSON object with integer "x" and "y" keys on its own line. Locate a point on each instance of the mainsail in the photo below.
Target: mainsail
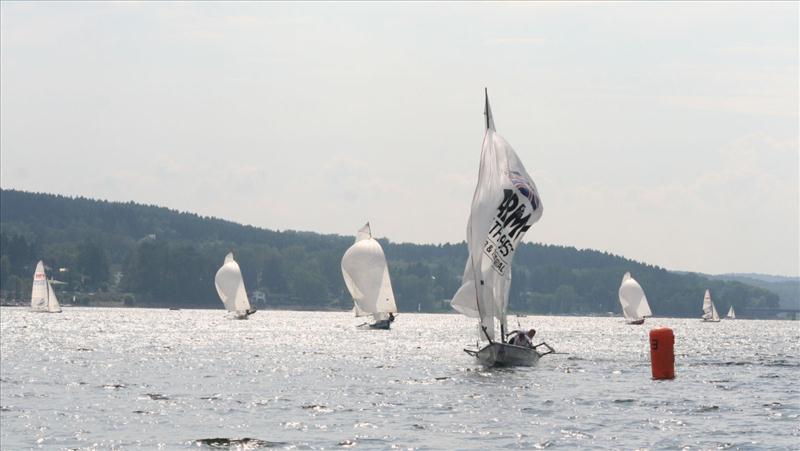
{"x": 43, "y": 297}
{"x": 709, "y": 311}
{"x": 633, "y": 300}
{"x": 731, "y": 314}
{"x": 505, "y": 205}
{"x": 367, "y": 277}
{"x": 230, "y": 286}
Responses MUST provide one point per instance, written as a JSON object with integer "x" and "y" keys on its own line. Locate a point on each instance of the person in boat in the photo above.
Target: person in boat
{"x": 522, "y": 338}
{"x": 391, "y": 317}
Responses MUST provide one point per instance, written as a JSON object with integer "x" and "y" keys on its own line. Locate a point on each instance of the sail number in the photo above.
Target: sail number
{"x": 510, "y": 223}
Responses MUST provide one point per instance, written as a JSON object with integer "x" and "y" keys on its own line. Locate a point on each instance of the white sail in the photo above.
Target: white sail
{"x": 505, "y": 205}
{"x": 633, "y": 300}
{"x": 230, "y": 286}
{"x": 366, "y": 276}
{"x": 43, "y": 297}
{"x": 709, "y": 310}
{"x": 731, "y": 314}
{"x": 52, "y": 302}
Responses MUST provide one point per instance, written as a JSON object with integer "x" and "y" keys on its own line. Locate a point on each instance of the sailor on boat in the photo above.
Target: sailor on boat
{"x": 522, "y": 338}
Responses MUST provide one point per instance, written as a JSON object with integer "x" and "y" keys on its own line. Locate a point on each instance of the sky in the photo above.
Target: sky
{"x": 662, "y": 132}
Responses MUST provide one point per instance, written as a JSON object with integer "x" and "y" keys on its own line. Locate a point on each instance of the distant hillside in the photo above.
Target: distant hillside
{"x": 787, "y": 288}
{"x": 152, "y": 256}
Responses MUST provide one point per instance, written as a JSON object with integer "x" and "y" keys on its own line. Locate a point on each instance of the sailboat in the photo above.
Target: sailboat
{"x": 230, "y": 288}
{"x": 633, "y": 300}
{"x": 505, "y": 205}
{"x": 709, "y": 311}
{"x": 43, "y": 297}
{"x": 367, "y": 278}
{"x": 731, "y": 314}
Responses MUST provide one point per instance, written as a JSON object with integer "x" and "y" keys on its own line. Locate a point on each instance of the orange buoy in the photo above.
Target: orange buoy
{"x": 662, "y": 353}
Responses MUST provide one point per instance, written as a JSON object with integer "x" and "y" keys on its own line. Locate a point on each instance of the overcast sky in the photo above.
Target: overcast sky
{"x": 666, "y": 133}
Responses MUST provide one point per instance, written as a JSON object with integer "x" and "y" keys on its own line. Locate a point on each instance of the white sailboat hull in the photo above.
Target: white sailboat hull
{"x": 504, "y": 354}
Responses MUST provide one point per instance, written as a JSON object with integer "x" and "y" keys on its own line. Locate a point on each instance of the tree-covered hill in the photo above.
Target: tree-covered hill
{"x": 154, "y": 256}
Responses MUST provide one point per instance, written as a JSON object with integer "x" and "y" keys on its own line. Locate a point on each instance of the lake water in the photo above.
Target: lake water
{"x": 93, "y": 378}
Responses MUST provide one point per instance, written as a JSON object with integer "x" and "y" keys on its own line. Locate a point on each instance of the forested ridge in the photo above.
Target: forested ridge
{"x": 143, "y": 255}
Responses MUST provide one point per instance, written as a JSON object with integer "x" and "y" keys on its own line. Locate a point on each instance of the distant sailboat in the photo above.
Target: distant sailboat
{"x": 230, "y": 288}
{"x": 709, "y": 311}
{"x": 731, "y": 314}
{"x": 505, "y": 205}
{"x": 43, "y": 297}
{"x": 633, "y": 300}
{"x": 367, "y": 278}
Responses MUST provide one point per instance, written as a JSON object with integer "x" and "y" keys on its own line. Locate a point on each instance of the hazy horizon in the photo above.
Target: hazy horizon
{"x": 663, "y": 132}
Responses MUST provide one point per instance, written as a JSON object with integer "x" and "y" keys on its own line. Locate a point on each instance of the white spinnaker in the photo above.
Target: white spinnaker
{"x": 709, "y": 310}
{"x": 366, "y": 276}
{"x": 505, "y": 205}
{"x": 39, "y": 292}
{"x": 230, "y": 286}
{"x": 632, "y": 298}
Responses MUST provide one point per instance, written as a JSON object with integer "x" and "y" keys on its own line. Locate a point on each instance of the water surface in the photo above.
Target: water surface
{"x": 92, "y": 378}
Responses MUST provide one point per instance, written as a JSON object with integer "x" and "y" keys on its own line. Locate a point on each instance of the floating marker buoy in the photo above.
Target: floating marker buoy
{"x": 662, "y": 353}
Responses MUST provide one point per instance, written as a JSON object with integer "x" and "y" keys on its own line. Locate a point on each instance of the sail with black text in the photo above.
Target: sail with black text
{"x": 505, "y": 205}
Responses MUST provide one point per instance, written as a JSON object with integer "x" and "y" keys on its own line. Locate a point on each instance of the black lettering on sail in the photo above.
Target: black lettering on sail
{"x": 517, "y": 221}
{"x": 510, "y": 202}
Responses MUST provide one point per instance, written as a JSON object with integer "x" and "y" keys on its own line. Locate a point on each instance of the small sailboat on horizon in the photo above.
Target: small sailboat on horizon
{"x": 230, "y": 288}
{"x": 505, "y": 205}
{"x": 43, "y": 297}
{"x": 731, "y": 314}
{"x": 366, "y": 276}
{"x": 633, "y": 300}
{"x": 710, "y": 314}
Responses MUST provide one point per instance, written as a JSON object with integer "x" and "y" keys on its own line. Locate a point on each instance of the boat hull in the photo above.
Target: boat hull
{"x": 381, "y": 325}
{"x": 635, "y": 322}
{"x": 504, "y": 354}
{"x": 378, "y": 325}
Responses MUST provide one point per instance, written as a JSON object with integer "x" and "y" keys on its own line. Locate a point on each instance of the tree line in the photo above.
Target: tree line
{"x": 153, "y": 256}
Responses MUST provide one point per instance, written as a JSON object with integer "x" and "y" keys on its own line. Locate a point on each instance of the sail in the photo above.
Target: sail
{"x": 633, "y": 300}
{"x": 731, "y": 313}
{"x": 709, "y": 310}
{"x": 40, "y": 291}
{"x": 230, "y": 286}
{"x": 52, "y": 301}
{"x": 505, "y": 205}
{"x": 366, "y": 276}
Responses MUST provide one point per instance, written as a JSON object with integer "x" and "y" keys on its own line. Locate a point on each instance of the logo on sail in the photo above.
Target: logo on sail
{"x": 524, "y": 186}
{"x": 509, "y": 224}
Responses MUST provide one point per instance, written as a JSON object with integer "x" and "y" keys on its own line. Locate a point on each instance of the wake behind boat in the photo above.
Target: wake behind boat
{"x": 366, "y": 275}
{"x": 230, "y": 288}
{"x": 633, "y": 300}
{"x": 505, "y": 205}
